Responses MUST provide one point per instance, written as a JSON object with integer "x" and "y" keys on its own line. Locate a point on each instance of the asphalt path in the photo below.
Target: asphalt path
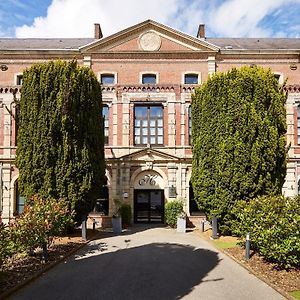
{"x": 147, "y": 263}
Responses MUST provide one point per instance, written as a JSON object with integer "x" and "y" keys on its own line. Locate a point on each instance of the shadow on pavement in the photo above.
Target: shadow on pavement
{"x": 153, "y": 271}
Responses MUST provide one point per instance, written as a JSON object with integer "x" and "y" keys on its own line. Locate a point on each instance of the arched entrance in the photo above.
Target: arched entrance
{"x": 149, "y": 198}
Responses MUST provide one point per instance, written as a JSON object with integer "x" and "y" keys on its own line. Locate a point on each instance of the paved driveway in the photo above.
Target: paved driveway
{"x": 148, "y": 263}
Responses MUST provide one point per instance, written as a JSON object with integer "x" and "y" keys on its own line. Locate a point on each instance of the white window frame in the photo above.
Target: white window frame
{"x": 150, "y": 73}
{"x": 108, "y": 73}
{"x": 281, "y": 78}
{"x": 191, "y": 72}
{"x": 16, "y": 76}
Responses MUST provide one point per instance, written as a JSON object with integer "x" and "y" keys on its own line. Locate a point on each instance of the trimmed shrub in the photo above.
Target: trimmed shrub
{"x": 274, "y": 226}
{"x": 239, "y": 145}
{"x": 173, "y": 209}
{"x": 125, "y": 212}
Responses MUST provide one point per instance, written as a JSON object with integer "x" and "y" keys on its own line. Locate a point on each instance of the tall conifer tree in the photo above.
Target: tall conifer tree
{"x": 239, "y": 148}
{"x": 60, "y": 135}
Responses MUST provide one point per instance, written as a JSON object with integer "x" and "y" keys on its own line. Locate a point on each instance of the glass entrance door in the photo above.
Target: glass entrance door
{"x": 149, "y": 206}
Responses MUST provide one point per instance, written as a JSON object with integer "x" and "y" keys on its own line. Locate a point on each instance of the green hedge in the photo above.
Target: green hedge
{"x": 274, "y": 226}
{"x": 173, "y": 209}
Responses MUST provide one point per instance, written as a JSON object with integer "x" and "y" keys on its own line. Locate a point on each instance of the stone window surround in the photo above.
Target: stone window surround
{"x": 191, "y": 72}
{"x": 146, "y": 73}
{"x": 16, "y": 77}
{"x": 108, "y": 73}
{"x": 281, "y": 77}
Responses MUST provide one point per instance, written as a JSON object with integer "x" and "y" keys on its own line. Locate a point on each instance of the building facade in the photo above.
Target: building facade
{"x": 148, "y": 73}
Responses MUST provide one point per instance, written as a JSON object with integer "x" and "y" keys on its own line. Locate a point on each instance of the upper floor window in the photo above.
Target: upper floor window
{"x": 149, "y": 79}
{"x": 279, "y": 77}
{"x": 191, "y": 78}
{"x": 298, "y": 124}
{"x": 148, "y": 125}
{"x": 190, "y": 124}
{"x": 107, "y": 78}
{"x": 19, "y": 79}
{"x": 105, "y": 122}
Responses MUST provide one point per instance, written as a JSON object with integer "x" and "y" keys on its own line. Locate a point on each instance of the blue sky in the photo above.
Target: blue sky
{"x": 223, "y": 18}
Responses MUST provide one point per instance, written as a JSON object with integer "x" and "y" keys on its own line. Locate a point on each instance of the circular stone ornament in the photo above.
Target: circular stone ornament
{"x": 150, "y": 41}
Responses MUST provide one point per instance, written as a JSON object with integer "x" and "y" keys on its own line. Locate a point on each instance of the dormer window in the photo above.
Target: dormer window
{"x": 107, "y": 79}
{"x": 149, "y": 79}
{"x": 191, "y": 78}
{"x": 19, "y": 79}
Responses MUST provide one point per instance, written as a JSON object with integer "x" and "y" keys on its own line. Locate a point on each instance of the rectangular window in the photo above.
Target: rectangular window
{"x": 20, "y": 201}
{"x": 105, "y": 122}
{"x": 190, "y": 78}
{"x": 107, "y": 78}
{"x": 149, "y": 79}
{"x": 190, "y": 125}
{"x": 148, "y": 123}
{"x": 19, "y": 79}
{"x": 298, "y": 124}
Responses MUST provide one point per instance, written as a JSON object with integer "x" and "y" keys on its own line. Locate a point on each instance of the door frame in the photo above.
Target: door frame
{"x": 149, "y": 211}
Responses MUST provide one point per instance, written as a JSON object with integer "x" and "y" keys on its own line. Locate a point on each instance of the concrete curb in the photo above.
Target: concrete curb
{"x": 259, "y": 276}
{"x": 37, "y": 274}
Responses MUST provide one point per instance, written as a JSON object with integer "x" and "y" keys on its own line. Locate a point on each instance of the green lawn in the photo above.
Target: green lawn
{"x": 224, "y": 245}
{"x": 295, "y": 294}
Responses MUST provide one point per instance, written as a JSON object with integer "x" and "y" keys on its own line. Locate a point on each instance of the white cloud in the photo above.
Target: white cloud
{"x": 228, "y": 18}
{"x": 242, "y": 17}
{"x": 75, "y": 18}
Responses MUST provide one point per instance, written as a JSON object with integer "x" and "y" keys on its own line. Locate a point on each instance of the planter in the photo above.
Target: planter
{"x": 117, "y": 224}
{"x": 181, "y": 225}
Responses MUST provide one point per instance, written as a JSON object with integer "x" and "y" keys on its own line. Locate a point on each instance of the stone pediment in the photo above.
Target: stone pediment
{"x": 149, "y": 36}
{"x": 149, "y": 155}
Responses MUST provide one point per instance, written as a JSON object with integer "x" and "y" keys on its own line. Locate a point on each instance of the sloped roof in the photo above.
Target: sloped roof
{"x": 44, "y": 44}
{"x": 256, "y": 43}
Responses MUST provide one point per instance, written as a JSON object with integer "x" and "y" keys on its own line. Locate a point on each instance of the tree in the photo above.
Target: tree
{"x": 239, "y": 148}
{"x": 60, "y": 136}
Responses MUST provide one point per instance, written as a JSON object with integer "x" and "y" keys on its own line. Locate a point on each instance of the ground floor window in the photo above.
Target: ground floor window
{"x": 20, "y": 201}
{"x": 194, "y": 210}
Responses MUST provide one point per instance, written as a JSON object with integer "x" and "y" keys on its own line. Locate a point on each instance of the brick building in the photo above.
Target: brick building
{"x": 148, "y": 72}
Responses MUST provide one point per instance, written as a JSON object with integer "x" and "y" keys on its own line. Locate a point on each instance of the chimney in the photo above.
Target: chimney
{"x": 98, "y": 31}
{"x": 201, "y": 32}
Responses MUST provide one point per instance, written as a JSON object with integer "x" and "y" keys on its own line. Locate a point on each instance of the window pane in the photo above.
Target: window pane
{"x": 191, "y": 78}
{"x": 144, "y": 140}
{"x": 148, "y": 78}
{"x": 137, "y": 123}
{"x": 145, "y": 131}
{"x": 152, "y": 123}
{"x": 140, "y": 111}
{"x": 144, "y": 123}
{"x": 156, "y": 111}
{"x": 160, "y": 122}
{"x": 159, "y": 131}
{"x": 107, "y": 78}
{"x": 152, "y": 140}
{"x": 137, "y": 131}
{"x": 105, "y": 123}
{"x": 137, "y": 140}
{"x": 159, "y": 140}
{"x": 152, "y": 131}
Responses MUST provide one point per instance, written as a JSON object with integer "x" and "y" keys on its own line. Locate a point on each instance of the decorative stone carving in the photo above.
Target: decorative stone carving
{"x": 150, "y": 41}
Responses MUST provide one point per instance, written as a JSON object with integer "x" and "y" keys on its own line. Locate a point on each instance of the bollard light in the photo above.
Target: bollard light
{"x": 214, "y": 222}
{"x": 247, "y": 254}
